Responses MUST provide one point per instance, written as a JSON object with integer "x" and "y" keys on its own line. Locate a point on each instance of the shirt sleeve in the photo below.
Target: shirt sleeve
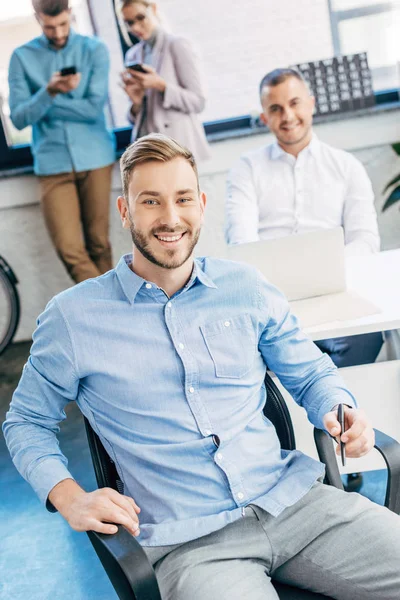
{"x": 188, "y": 95}
{"x": 309, "y": 375}
{"x": 25, "y": 108}
{"x": 89, "y": 108}
{"x": 241, "y": 206}
{"x": 49, "y": 381}
{"x": 359, "y": 218}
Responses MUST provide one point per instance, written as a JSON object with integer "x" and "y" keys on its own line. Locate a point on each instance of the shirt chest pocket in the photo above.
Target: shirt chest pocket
{"x": 231, "y": 343}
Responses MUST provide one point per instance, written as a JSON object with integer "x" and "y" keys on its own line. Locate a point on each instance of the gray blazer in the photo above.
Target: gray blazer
{"x": 174, "y": 112}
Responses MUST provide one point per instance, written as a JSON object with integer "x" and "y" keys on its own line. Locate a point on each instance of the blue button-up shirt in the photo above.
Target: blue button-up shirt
{"x": 162, "y": 380}
{"x": 68, "y": 130}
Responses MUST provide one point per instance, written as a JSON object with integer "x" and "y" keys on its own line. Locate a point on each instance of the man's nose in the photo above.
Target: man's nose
{"x": 288, "y": 114}
{"x": 170, "y": 215}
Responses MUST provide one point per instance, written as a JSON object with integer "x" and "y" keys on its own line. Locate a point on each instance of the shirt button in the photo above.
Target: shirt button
{"x": 240, "y": 496}
{"x": 181, "y": 346}
{"x": 191, "y": 390}
{"x": 207, "y": 432}
{"x": 227, "y": 323}
{"x": 219, "y": 456}
{"x": 148, "y": 285}
{"x": 169, "y": 305}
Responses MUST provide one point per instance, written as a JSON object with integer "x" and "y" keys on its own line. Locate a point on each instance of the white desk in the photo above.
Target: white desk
{"x": 376, "y": 277}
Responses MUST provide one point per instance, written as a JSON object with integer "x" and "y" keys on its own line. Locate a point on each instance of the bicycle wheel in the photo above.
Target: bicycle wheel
{"x": 9, "y": 310}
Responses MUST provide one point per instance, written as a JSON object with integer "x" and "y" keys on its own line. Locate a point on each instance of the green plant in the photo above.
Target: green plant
{"x": 394, "y": 195}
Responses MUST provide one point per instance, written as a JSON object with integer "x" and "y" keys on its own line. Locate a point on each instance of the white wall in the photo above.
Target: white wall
{"x": 24, "y": 241}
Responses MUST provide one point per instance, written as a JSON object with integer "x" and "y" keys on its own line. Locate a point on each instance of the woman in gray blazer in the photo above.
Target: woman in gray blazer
{"x": 169, "y": 96}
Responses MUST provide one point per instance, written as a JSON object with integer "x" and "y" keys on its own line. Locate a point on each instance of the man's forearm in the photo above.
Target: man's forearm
{"x": 30, "y": 111}
{"x": 82, "y": 110}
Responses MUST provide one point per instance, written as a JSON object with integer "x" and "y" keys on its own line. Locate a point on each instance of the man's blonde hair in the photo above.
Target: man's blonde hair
{"x": 153, "y": 147}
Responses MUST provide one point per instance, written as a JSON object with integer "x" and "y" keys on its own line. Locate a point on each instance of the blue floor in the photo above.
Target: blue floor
{"x": 41, "y": 557}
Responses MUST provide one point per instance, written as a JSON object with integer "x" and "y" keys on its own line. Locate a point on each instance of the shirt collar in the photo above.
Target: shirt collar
{"x": 200, "y": 275}
{"x": 313, "y": 147}
{"x": 131, "y": 283}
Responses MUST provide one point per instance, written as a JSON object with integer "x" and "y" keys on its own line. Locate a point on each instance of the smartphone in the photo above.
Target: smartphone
{"x": 135, "y": 66}
{"x": 342, "y": 430}
{"x": 68, "y": 71}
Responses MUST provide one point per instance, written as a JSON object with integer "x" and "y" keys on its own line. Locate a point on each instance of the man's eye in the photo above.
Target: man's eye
{"x": 150, "y": 202}
{"x": 184, "y": 200}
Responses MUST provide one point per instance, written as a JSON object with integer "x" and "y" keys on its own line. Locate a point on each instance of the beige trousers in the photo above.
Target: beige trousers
{"x": 76, "y": 209}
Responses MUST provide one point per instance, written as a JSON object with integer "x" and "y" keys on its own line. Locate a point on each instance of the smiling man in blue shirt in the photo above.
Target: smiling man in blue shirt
{"x": 72, "y": 149}
{"x": 165, "y": 355}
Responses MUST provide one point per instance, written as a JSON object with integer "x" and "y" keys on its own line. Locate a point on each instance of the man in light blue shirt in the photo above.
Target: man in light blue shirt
{"x": 165, "y": 355}
{"x": 72, "y": 149}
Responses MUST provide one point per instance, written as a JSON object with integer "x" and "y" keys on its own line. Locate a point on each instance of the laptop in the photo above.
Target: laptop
{"x": 301, "y": 266}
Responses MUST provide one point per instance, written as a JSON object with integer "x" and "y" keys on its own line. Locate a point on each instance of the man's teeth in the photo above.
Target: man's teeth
{"x": 170, "y": 239}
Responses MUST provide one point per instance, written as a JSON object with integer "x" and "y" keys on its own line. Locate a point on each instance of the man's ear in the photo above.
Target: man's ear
{"x": 312, "y": 100}
{"x": 263, "y": 118}
{"x": 122, "y": 206}
{"x": 203, "y": 202}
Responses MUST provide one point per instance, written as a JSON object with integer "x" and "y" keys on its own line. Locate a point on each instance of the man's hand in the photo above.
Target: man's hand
{"x": 150, "y": 80}
{"x": 359, "y": 436}
{"x": 95, "y": 511}
{"x": 59, "y": 84}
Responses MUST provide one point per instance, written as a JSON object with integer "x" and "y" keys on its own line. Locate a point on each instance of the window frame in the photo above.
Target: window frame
{"x": 20, "y": 156}
{"x": 336, "y": 16}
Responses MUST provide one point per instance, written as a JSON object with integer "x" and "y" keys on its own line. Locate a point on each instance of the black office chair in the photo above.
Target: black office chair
{"x": 126, "y": 563}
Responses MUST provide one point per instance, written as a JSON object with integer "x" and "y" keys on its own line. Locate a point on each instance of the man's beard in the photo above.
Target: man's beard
{"x": 142, "y": 244}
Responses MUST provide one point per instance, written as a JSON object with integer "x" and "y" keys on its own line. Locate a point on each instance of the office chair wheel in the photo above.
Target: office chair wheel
{"x": 354, "y": 482}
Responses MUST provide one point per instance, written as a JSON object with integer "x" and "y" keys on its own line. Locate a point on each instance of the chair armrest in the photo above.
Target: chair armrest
{"x": 326, "y": 453}
{"x": 388, "y": 447}
{"x": 126, "y": 564}
{"x": 390, "y": 450}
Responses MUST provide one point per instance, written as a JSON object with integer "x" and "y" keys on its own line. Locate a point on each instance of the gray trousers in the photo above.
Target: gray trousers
{"x": 332, "y": 542}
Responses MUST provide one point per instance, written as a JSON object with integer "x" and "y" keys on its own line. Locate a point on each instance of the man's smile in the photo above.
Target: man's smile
{"x": 169, "y": 240}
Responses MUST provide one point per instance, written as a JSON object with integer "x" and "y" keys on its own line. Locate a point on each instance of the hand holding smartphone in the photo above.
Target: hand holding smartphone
{"x": 68, "y": 71}
{"x": 135, "y": 66}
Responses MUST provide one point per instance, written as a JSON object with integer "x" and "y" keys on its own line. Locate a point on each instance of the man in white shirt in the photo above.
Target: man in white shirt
{"x": 300, "y": 184}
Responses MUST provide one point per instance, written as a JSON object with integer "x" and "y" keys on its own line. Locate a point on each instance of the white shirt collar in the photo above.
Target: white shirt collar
{"x": 277, "y": 152}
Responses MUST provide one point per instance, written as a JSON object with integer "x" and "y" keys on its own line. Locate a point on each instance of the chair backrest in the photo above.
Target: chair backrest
{"x": 104, "y": 468}
{"x": 275, "y": 410}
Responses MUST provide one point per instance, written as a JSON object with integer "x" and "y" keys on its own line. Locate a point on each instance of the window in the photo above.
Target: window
{"x": 238, "y": 43}
{"x": 373, "y": 27}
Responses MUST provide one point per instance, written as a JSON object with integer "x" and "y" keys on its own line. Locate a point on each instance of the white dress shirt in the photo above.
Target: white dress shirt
{"x": 272, "y": 194}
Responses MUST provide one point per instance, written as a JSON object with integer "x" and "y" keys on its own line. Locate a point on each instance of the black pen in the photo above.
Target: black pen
{"x": 340, "y": 413}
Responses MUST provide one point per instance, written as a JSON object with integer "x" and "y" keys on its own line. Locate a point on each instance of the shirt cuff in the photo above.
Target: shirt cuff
{"x": 328, "y": 404}
{"x": 45, "y": 476}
